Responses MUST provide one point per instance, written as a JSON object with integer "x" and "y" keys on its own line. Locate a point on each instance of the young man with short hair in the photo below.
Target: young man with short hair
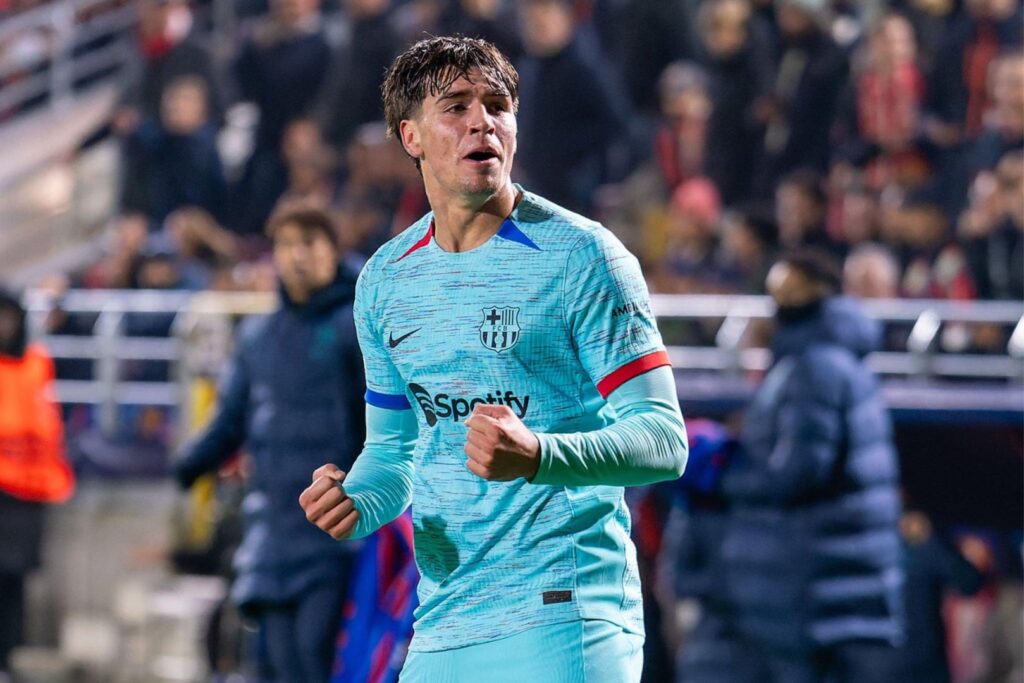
{"x": 516, "y": 381}
{"x": 292, "y": 393}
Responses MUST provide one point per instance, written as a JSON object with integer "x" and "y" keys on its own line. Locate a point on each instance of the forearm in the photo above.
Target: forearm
{"x": 647, "y": 443}
{"x": 380, "y": 481}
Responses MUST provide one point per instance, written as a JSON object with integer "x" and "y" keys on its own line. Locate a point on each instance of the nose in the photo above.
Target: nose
{"x": 480, "y": 120}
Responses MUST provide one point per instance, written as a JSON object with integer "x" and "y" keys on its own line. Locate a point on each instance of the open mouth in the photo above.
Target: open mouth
{"x": 481, "y": 156}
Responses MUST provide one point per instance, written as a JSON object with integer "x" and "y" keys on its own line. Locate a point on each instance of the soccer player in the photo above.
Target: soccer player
{"x": 516, "y": 381}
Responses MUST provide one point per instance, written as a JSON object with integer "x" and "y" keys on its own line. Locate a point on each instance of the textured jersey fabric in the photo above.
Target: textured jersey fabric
{"x": 548, "y": 317}
{"x": 588, "y": 651}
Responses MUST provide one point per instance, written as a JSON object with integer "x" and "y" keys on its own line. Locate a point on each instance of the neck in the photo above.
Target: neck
{"x": 299, "y": 295}
{"x": 463, "y": 223}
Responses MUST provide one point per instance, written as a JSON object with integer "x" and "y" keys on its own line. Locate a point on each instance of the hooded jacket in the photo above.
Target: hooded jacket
{"x": 293, "y": 396}
{"x": 811, "y": 556}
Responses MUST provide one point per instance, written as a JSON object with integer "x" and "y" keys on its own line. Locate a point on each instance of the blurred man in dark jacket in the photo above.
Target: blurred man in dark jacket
{"x": 811, "y": 556}
{"x": 293, "y": 395}
{"x": 572, "y": 120}
{"x": 280, "y": 68}
{"x": 811, "y": 75}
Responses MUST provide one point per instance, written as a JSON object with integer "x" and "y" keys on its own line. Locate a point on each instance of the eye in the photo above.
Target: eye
{"x": 458, "y": 107}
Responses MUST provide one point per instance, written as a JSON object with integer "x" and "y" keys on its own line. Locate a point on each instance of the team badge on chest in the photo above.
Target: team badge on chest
{"x": 500, "y": 330}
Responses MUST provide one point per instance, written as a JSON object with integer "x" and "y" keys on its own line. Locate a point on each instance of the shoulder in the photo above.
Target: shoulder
{"x": 824, "y": 372}
{"x": 556, "y": 228}
{"x": 252, "y": 329}
{"x": 386, "y": 261}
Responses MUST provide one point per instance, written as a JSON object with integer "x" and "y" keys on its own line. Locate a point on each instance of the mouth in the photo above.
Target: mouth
{"x": 482, "y": 156}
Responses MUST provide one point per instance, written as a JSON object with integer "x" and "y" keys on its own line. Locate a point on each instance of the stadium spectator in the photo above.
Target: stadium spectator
{"x": 811, "y": 555}
{"x": 169, "y": 51}
{"x": 871, "y": 271}
{"x": 748, "y": 249}
{"x": 688, "y": 263}
{"x": 800, "y": 207}
{"x": 280, "y": 68}
{"x": 492, "y": 20}
{"x": 351, "y": 91}
{"x": 740, "y": 73}
{"x": 992, "y": 230}
{"x": 293, "y": 395}
{"x": 33, "y": 470}
{"x": 172, "y": 162}
{"x": 886, "y": 106}
{"x": 681, "y": 140}
{"x": 958, "y": 86}
{"x": 648, "y": 37}
{"x": 310, "y": 165}
{"x": 934, "y": 266}
{"x": 1003, "y": 128}
{"x": 204, "y": 249}
{"x": 811, "y": 75}
{"x": 854, "y": 211}
{"x": 573, "y": 118}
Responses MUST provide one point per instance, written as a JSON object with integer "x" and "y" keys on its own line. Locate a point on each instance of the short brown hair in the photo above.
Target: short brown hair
{"x": 430, "y": 67}
{"x": 307, "y": 216}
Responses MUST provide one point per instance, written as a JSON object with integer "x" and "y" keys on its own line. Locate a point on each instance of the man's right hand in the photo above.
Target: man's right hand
{"x": 326, "y": 504}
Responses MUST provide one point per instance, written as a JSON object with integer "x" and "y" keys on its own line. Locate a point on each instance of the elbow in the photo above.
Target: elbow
{"x": 680, "y": 456}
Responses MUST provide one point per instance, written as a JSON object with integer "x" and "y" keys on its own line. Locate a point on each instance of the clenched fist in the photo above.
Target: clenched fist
{"x": 499, "y": 445}
{"x": 326, "y": 504}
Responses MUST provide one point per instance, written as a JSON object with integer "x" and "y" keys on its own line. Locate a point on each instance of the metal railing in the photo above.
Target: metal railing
{"x": 79, "y": 39}
{"x": 922, "y": 357}
{"x": 921, "y": 376}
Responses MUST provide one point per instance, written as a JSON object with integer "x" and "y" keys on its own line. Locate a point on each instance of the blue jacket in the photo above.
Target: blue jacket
{"x": 294, "y": 396}
{"x": 811, "y": 555}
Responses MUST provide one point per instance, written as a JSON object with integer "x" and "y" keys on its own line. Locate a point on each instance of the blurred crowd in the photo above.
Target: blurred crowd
{"x": 709, "y": 135}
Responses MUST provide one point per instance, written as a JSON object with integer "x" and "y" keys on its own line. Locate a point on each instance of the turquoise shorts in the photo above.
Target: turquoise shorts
{"x": 590, "y": 651}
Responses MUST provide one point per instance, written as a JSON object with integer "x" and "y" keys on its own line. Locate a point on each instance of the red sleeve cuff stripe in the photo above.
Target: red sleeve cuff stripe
{"x": 631, "y": 370}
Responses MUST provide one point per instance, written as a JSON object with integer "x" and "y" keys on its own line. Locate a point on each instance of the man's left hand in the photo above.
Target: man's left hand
{"x": 499, "y": 445}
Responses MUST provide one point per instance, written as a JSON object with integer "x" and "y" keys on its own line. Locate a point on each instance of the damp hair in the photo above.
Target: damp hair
{"x": 430, "y": 67}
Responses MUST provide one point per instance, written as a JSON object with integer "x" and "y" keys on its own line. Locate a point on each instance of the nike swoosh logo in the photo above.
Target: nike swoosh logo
{"x": 392, "y": 342}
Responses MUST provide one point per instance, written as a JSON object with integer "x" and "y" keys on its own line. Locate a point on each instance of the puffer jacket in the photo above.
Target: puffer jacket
{"x": 294, "y": 397}
{"x": 811, "y": 555}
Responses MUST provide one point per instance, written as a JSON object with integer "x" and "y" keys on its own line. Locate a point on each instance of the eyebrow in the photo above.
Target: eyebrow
{"x": 466, "y": 92}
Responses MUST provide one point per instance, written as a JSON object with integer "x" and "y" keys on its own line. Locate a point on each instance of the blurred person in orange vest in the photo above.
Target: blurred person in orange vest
{"x": 33, "y": 470}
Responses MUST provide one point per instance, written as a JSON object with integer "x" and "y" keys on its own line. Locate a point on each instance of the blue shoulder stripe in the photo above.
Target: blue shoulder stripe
{"x": 389, "y": 401}
{"x": 511, "y": 232}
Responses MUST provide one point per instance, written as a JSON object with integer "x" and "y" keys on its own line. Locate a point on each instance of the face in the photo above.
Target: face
{"x": 183, "y": 108}
{"x": 291, "y": 11}
{"x": 796, "y": 213}
{"x": 1008, "y": 91}
{"x": 793, "y": 21}
{"x": 464, "y": 138}
{"x": 547, "y": 27}
{"x": 870, "y": 277}
{"x": 727, "y": 30}
{"x": 789, "y": 286}
{"x": 306, "y": 260}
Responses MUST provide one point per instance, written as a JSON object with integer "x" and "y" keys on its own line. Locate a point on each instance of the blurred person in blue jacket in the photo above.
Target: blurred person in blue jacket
{"x": 294, "y": 396}
{"x": 811, "y": 557}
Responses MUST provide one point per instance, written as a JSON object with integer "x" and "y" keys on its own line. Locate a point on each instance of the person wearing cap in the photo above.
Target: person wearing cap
{"x": 810, "y": 560}
{"x": 292, "y": 395}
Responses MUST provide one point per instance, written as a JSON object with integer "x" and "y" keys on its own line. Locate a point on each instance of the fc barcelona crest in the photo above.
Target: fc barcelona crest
{"x": 500, "y": 329}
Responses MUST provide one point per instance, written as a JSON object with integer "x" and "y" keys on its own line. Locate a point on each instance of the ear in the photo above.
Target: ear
{"x": 409, "y": 133}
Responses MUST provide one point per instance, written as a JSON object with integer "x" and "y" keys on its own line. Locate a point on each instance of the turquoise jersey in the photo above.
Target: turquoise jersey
{"x": 548, "y": 317}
